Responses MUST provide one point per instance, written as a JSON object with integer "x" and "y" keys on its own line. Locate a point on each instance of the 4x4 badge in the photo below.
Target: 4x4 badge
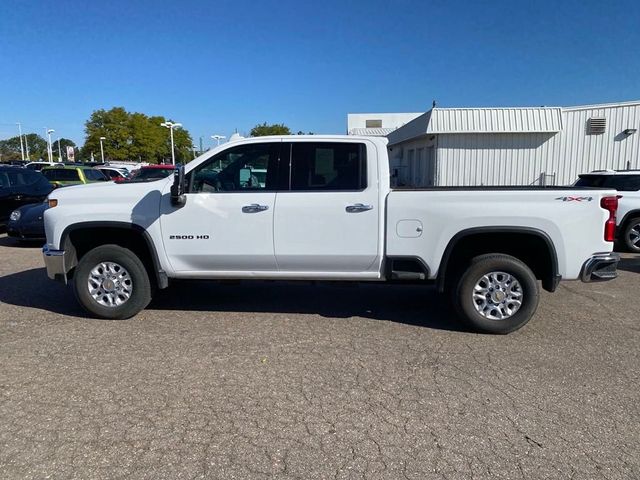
{"x": 575, "y": 199}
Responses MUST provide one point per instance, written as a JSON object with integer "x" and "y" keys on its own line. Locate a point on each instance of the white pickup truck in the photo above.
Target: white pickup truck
{"x": 321, "y": 208}
{"x": 627, "y": 183}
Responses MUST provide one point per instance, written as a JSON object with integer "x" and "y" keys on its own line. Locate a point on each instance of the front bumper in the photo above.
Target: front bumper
{"x": 54, "y": 260}
{"x": 600, "y": 267}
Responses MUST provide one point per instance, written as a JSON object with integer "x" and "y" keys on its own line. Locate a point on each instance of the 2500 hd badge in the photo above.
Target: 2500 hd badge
{"x": 188, "y": 237}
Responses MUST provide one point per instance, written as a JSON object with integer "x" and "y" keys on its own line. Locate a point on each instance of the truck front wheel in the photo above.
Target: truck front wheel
{"x": 496, "y": 294}
{"x": 111, "y": 282}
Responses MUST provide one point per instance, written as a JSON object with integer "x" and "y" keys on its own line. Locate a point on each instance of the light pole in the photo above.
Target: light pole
{"x": 59, "y": 151}
{"x": 49, "y": 150}
{"x": 102, "y": 148}
{"x": 217, "y": 138}
{"x": 21, "y": 147}
{"x": 26, "y": 146}
{"x": 171, "y": 126}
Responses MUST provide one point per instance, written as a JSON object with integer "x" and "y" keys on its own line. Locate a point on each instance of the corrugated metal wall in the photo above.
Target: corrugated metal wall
{"x": 493, "y": 159}
{"x": 495, "y": 120}
{"x": 521, "y": 158}
{"x": 579, "y": 152}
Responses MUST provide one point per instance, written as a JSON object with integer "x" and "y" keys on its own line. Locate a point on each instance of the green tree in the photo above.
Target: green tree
{"x": 64, "y": 143}
{"x": 10, "y": 148}
{"x": 37, "y": 146}
{"x": 114, "y": 126}
{"x": 133, "y": 136}
{"x": 264, "y": 129}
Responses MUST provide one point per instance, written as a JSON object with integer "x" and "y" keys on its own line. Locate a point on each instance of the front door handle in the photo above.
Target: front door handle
{"x": 358, "y": 207}
{"x": 254, "y": 208}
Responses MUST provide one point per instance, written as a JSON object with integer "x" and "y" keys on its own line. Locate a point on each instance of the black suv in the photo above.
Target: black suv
{"x": 20, "y": 186}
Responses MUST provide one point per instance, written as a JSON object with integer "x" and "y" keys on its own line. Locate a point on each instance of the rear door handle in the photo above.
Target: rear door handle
{"x": 358, "y": 207}
{"x": 255, "y": 208}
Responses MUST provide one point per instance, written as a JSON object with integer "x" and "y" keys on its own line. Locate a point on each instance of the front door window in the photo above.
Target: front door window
{"x": 246, "y": 168}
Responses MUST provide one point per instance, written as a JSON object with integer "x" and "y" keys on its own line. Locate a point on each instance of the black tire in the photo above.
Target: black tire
{"x": 631, "y": 232}
{"x": 466, "y": 304}
{"x": 140, "y": 289}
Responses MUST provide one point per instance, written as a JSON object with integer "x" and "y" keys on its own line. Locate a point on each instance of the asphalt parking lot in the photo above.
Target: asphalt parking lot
{"x": 280, "y": 380}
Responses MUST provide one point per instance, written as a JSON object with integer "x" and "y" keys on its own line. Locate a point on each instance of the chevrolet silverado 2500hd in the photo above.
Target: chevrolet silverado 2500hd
{"x": 321, "y": 208}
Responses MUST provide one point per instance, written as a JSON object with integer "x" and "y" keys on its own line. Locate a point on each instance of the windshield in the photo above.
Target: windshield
{"x": 150, "y": 174}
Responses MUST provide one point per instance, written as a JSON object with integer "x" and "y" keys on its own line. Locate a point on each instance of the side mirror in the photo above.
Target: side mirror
{"x": 178, "y": 198}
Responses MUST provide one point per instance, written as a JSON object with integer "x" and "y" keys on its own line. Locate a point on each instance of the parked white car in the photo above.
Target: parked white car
{"x": 40, "y": 165}
{"x": 325, "y": 211}
{"x": 627, "y": 183}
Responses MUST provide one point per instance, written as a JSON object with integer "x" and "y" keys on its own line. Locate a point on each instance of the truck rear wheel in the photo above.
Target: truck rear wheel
{"x": 111, "y": 282}
{"x": 496, "y": 294}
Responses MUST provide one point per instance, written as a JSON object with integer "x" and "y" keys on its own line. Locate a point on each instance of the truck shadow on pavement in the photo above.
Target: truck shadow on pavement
{"x": 32, "y": 288}
{"x": 407, "y": 304}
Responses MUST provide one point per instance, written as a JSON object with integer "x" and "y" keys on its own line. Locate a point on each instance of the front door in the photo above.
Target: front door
{"x": 226, "y": 224}
{"x": 328, "y": 219}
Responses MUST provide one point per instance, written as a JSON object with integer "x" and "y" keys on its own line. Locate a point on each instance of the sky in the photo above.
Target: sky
{"x": 217, "y": 66}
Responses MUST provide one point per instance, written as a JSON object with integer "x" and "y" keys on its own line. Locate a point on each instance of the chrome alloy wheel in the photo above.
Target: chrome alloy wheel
{"x": 110, "y": 284}
{"x": 634, "y": 236}
{"x": 497, "y": 295}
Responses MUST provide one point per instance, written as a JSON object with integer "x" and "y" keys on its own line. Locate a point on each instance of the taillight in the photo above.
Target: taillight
{"x": 610, "y": 204}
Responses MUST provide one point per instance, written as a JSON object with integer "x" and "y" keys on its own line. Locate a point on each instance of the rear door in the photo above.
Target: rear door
{"x": 327, "y": 221}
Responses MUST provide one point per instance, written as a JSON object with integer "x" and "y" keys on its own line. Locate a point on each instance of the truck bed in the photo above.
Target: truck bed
{"x": 422, "y": 222}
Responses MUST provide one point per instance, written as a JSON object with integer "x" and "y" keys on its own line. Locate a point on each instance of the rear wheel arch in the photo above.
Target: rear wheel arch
{"x": 80, "y": 238}
{"x": 530, "y": 245}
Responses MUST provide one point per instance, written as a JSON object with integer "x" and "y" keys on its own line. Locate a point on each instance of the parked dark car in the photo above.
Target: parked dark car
{"x": 18, "y": 187}
{"x": 27, "y": 223}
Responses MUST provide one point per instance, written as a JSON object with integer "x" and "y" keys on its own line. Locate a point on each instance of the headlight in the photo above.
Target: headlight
{"x": 52, "y": 202}
{"x": 15, "y": 216}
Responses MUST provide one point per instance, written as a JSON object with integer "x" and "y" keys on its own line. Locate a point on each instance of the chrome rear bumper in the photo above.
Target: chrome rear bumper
{"x": 600, "y": 267}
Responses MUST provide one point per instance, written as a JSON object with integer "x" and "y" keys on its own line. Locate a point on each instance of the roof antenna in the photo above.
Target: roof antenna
{"x": 433, "y": 105}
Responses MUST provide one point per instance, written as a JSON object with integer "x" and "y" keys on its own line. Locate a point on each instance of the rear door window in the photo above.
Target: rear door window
{"x": 327, "y": 166}
{"x": 62, "y": 174}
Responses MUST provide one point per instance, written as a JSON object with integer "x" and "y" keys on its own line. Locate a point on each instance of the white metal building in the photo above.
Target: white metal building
{"x": 514, "y": 146}
{"x": 377, "y": 124}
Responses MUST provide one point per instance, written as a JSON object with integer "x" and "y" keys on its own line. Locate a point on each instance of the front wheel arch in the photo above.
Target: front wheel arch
{"x": 78, "y": 239}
